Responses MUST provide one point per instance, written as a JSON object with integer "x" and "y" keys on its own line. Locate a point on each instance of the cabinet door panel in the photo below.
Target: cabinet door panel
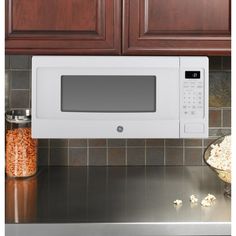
{"x": 65, "y": 15}
{"x": 177, "y": 27}
{"x": 63, "y": 26}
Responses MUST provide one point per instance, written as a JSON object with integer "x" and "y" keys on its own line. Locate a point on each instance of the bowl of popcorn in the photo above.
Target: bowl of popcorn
{"x": 218, "y": 157}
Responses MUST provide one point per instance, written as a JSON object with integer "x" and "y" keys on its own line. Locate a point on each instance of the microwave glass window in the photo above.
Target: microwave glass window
{"x": 90, "y": 93}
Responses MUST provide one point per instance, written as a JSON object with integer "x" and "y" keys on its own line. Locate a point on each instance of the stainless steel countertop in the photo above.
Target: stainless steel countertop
{"x": 116, "y": 199}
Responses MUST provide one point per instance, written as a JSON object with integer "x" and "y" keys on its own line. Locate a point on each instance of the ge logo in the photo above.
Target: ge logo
{"x": 120, "y": 129}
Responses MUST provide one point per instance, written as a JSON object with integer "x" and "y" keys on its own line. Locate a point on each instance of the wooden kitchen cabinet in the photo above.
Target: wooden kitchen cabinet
{"x": 149, "y": 27}
{"x": 176, "y": 27}
{"x": 63, "y": 26}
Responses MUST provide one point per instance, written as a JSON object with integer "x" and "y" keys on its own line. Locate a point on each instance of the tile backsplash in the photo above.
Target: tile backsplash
{"x": 122, "y": 152}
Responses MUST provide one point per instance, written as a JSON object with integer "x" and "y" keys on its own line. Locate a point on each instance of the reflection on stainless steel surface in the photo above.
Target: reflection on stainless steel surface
{"x": 21, "y": 199}
{"x": 118, "y": 194}
{"x": 119, "y": 201}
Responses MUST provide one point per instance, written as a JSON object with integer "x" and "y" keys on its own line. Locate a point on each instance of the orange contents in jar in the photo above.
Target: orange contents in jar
{"x": 21, "y": 153}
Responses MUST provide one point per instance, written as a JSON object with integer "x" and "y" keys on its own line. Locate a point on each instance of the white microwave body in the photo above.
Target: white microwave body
{"x": 119, "y": 97}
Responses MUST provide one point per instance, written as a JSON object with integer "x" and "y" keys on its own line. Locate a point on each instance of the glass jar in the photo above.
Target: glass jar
{"x": 21, "y": 149}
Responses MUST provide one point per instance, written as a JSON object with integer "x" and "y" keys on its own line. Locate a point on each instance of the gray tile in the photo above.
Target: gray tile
{"x": 193, "y": 156}
{"x": 19, "y": 99}
{"x": 59, "y": 156}
{"x": 116, "y": 142}
{"x": 219, "y": 132}
{"x": 215, "y": 63}
{"x": 77, "y": 156}
{"x": 7, "y": 89}
{"x": 215, "y": 118}
{"x": 97, "y": 156}
{"x": 135, "y": 156}
{"x": 30, "y": 62}
{"x": 30, "y": 80}
{"x": 136, "y": 142}
{"x": 174, "y": 156}
{"x": 155, "y": 156}
{"x": 19, "y": 62}
{"x": 116, "y": 156}
{"x": 97, "y": 142}
{"x": 58, "y": 143}
{"x": 193, "y": 142}
{"x": 227, "y": 118}
{"x": 30, "y": 102}
{"x": 43, "y": 156}
{"x": 174, "y": 142}
{"x": 226, "y": 63}
{"x": 20, "y": 80}
{"x": 7, "y": 62}
{"x": 220, "y": 89}
{"x": 155, "y": 142}
{"x": 43, "y": 142}
{"x": 77, "y": 142}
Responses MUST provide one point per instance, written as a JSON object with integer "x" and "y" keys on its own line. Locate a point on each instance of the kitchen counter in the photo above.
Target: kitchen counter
{"x": 116, "y": 201}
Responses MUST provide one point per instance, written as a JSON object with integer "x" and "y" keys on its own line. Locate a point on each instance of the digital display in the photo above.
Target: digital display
{"x": 108, "y": 93}
{"x": 192, "y": 74}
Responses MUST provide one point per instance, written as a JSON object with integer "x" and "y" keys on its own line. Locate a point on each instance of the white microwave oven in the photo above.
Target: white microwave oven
{"x": 119, "y": 97}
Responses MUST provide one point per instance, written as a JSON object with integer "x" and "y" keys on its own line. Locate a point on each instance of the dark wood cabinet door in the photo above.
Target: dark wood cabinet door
{"x": 177, "y": 27}
{"x": 63, "y": 26}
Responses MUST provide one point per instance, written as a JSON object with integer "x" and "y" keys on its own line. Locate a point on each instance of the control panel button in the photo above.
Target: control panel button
{"x": 194, "y": 128}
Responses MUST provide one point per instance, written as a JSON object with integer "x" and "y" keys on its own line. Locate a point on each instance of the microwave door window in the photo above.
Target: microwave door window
{"x": 90, "y": 93}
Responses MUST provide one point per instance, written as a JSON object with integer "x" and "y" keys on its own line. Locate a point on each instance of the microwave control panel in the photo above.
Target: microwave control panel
{"x": 193, "y": 95}
{"x": 194, "y": 85}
